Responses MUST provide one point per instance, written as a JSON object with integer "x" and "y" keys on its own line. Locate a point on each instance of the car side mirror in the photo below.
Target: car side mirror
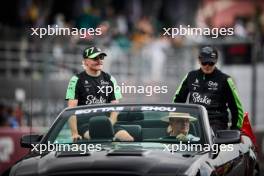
{"x": 27, "y": 140}
{"x": 227, "y": 137}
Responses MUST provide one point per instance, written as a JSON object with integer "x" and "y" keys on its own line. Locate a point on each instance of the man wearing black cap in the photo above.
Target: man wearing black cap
{"x": 93, "y": 86}
{"x": 213, "y": 89}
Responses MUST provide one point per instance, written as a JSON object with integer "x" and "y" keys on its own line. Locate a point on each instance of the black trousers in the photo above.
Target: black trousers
{"x": 218, "y": 126}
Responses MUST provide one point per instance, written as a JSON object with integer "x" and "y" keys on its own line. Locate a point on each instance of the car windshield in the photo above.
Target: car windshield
{"x": 145, "y": 123}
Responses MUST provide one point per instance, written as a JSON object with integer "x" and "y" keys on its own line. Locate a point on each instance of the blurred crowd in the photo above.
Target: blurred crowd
{"x": 130, "y": 28}
{"x": 136, "y": 22}
{"x": 10, "y": 116}
{"x": 132, "y": 36}
{"x": 135, "y": 27}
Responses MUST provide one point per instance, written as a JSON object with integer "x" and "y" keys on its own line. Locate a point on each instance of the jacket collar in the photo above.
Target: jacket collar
{"x": 208, "y": 75}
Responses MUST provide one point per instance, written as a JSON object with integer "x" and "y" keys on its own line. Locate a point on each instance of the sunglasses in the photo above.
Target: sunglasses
{"x": 100, "y": 57}
{"x": 208, "y": 63}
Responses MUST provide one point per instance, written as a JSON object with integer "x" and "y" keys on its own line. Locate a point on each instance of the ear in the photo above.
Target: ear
{"x": 83, "y": 62}
{"x": 169, "y": 129}
{"x": 199, "y": 61}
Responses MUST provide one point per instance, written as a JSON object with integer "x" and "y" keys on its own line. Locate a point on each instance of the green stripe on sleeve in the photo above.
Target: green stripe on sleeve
{"x": 237, "y": 101}
{"x": 70, "y": 94}
{"x": 117, "y": 89}
{"x": 179, "y": 88}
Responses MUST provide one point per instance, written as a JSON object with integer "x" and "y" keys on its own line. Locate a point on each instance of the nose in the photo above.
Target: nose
{"x": 186, "y": 122}
{"x": 99, "y": 61}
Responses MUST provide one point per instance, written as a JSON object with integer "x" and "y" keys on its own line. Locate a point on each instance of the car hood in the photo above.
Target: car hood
{"x": 112, "y": 162}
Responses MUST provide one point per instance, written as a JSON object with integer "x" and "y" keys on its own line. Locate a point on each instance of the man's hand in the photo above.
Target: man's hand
{"x": 73, "y": 127}
{"x": 181, "y": 137}
{"x": 86, "y": 135}
{"x": 113, "y": 117}
{"x": 76, "y": 137}
{"x": 123, "y": 135}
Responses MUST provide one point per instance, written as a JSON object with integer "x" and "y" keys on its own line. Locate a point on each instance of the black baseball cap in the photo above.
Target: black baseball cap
{"x": 208, "y": 54}
{"x": 92, "y": 52}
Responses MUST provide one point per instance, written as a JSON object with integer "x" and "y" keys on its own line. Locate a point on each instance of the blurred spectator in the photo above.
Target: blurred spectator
{"x": 239, "y": 28}
{"x": 19, "y": 114}
{"x": 8, "y": 117}
{"x": 121, "y": 24}
{"x": 155, "y": 54}
{"x": 60, "y": 20}
{"x": 11, "y": 118}
{"x": 89, "y": 19}
{"x": 106, "y": 37}
{"x": 33, "y": 13}
{"x": 3, "y": 116}
{"x": 262, "y": 27}
{"x": 143, "y": 33}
